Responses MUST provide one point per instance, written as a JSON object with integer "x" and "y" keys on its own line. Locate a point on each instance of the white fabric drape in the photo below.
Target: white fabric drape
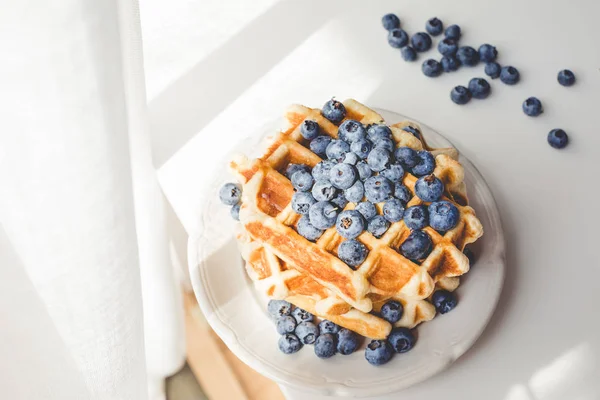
{"x": 70, "y": 296}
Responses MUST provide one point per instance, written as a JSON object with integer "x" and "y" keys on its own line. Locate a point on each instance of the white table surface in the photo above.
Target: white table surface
{"x": 543, "y": 342}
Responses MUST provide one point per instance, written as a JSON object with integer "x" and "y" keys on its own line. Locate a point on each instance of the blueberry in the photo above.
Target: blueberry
{"x": 448, "y": 47}
{"x": 421, "y": 41}
{"x": 406, "y": 156}
{"x": 325, "y": 345}
{"x": 302, "y": 181}
{"x": 425, "y": 164}
{"x": 309, "y": 129}
{"x": 376, "y": 132}
{"x": 378, "y": 225}
{"x": 302, "y": 315}
{"x": 532, "y": 107}
{"x": 347, "y": 342}
{"x": 402, "y": 193}
{"x": 355, "y": 193}
{"x": 286, "y": 324}
{"x": 322, "y": 215}
{"x": 378, "y": 159}
{"x": 392, "y": 311}
{"x": 444, "y": 301}
{"x": 334, "y": 111}
{"x": 336, "y": 150}
{"x": 378, "y": 189}
{"x": 351, "y": 130}
{"x": 323, "y": 191}
{"x": 367, "y": 209}
{"x": 350, "y": 158}
{"x": 306, "y": 230}
{"x": 431, "y": 68}
{"x": 411, "y": 129}
{"x": 558, "y": 138}
{"x": 487, "y": 53}
{"x": 293, "y": 168}
{"x": 364, "y": 171}
{"x": 460, "y": 95}
{"x": 378, "y": 352}
{"x": 326, "y": 326}
{"x": 566, "y": 77}
{"x": 307, "y": 332}
{"x": 319, "y": 145}
{"x": 350, "y": 224}
{"x": 397, "y": 38}
{"x": 509, "y": 75}
{"x": 352, "y": 252}
{"x": 340, "y": 200}
{"x": 321, "y": 171}
{"x": 361, "y": 148}
{"x": 470, "y": 255}
{"x": 234, "y": 211}
{"x": 434, "y": 26}
{"x": 393, "y": 210}
{"x": 279, "y": 308}
{"x": 450, "y": 63}
{"x": 342, "y": 175}
{"x": 301, "y": 202}
{"x": 390, "y": 21}
{"x": 416, "y": 246}
{"x": 402, "y": 340}
{"x": 386, "y": 144}
{"x": 479, "y": 88}
{"x": 443, "y": 215}
{"x": 408, "y": 53}
{"x": 394, "y": 172}
{"x": 416, "y": 217}
{"x": 453, "y": 32}
{"x": 289, "y": 343}
{"x": 467, "y": 56}
{"x": 230, "y": 194}
{"x": 429, "y": 188}
{"x": 492, "y": 70}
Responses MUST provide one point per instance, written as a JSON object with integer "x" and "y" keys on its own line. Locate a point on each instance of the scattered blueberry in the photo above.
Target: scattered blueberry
{"x": 378, "y": 352}
{"x": 425, "y": 164}
{"x": 434, "y": 26}
{"x": 302, "y": 181}
{"x": 350, "y": 158}
{"x": 307, "y": 230}
{"x": 479, "y": 88}
{"x": 323, "y": 191}
{"x": 487, "y": 53}
{"x": 390, "y": 21}
{"x": 394, "y": 172}
{"x": 443, "y": 215}
{"x": 566, "y": 77}
{"x": 334, "y": 111}
{"x": 321, "y": 171}
{"x": 416, "y": 246}
{"x": 431, "y": 68}
{"x": 460, "y": 95}
{"x": 444, "y": 301}
{"x": 289, "y": 343}
{"x": 319, "y": 145}
{"x": 326, "y": 326}
{"x": 235, "y": 211}
{"x": 492, "y": 70}
{"x": 351, "y": 131}
{"x": 378, "y": 159}
{"x": 453, "y": 32}
{"x": 350, "y": 224}
{"x": 406, "y": 156}
{"x": 293, "y": 168}
{"x": 421, "y": 41}
{"x": 402, "y": 193}
{"x": 361, "y": 148}
{"x": 364, "y": 171}
{"x": 352, "y": 252}
{"x": 467, "y": 56}
{"x": 325, "y": 345}
{"x": 309, "y": 129}
{"x": 411, "y": 129}
{"x": 336, "y": 150}
{"x": 342, "y": 175}
{"x": 376, "y": 132}
{"x": 450, "y": 63}
{"x": 367, "y": 209}
{"x": 416, "y": 217}
{"x": 532, "y": 107}
{"x": 408, "y": 53}
{"x": 378, "y": 225}
{"x": 302, "y": 315}
{"x": 393, "y": 210}
{"x": 402, "y": 340}
{"x": 509, "y": 75}
{"x": 558, "y": 138}
{"x": 397, "y": 38}
{"x": 230, "y": 194}
{"x": 279, "y": 308}
{"x": 355, "y": 193}
{"x": 307, "y": 332}
{"x": 322, "y": 215}
{"x": 392, "y": 311}
{"x": 286, "y": 324}
{"x": 378, "y": 189}
{"x": 347, "y": 341}
{"x": 301, "y": 202}
{"x": 448, "y": 47}
{"x": 429, "y": 188}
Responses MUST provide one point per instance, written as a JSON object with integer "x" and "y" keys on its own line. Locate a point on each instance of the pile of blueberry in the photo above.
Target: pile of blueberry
{"x": 455, "y": 56}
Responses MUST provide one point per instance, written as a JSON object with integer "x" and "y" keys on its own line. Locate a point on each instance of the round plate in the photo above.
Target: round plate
{"x": 238, "y": 315}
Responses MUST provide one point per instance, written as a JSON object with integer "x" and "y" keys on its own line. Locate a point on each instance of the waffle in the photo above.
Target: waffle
{"x": 310, "y": 275}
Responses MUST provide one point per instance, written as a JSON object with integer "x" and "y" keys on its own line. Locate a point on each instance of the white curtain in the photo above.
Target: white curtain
{"x": 81, "y": 242}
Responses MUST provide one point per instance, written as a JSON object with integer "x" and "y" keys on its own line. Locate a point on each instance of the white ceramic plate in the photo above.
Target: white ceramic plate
{"x": 238, "y": 315}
